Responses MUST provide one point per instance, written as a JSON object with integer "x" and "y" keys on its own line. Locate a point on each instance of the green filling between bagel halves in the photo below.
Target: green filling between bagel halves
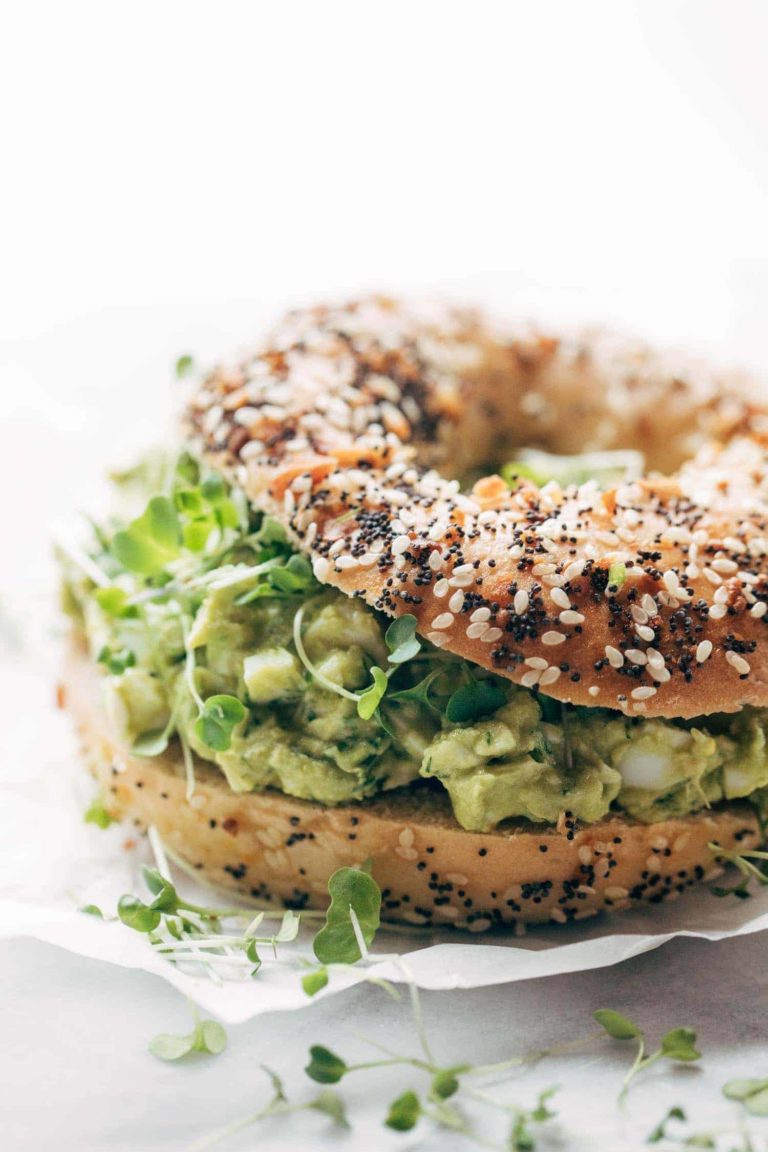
{"x": 212, "y": 631}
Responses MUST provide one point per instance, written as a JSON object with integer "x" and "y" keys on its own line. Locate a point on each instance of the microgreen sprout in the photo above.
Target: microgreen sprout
{"x": 470, "y": 702}
{"x": 229, "y": 941}
{"x": 327, "y": 1102}
{"x": 659, "y": 1133}
{"x": 97, "y": 814}
{"x": 207, "y": 1037}
{"x": 184, "y": 366}
{"x": 92, "y": 910}
{"x": 679, "y": 1044}
{"x": 473, "y": 701}
{"x": 753, "y": 1094}
{"x": 113, "y": 601}
{"x": 401, "y": 641}
{"x": 154, "y": 741}
{"x": 116, "y": 660}
{"x": 605, "y": 468}
{"x": 743, "y": 862}
{"x": 184, "y": 932}
{"x": 218, "y": 719}
{"x": 150, "y": 541}
{"x": 443, "y": 1083}
{"x": 352, "y": 919}
{"x": 617, "y": 576}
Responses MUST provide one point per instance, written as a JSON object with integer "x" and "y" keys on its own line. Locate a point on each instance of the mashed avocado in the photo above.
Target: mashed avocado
{"x": 205, "y": 610}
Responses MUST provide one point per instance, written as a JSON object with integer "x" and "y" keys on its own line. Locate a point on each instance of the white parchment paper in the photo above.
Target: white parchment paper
{"x": 53, "y": 863}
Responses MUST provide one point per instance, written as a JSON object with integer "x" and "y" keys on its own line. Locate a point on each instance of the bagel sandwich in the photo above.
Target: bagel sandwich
{"x": 482, "y": 604}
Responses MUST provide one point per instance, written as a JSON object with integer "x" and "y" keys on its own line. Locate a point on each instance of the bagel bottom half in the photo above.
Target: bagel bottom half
{"x": 276, "y": 848}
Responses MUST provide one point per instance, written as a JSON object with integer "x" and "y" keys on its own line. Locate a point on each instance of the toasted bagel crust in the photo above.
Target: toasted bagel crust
{"x": 273, "y": 847}
{"x": 333, "y": 426}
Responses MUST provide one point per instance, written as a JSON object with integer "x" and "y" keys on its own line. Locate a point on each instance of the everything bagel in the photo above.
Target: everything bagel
{"x": 572, "y": 705}
{"x": 336, "y": 424}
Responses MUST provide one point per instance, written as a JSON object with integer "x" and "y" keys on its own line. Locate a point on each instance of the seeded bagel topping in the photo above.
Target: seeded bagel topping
{"x": 648, "y": 596}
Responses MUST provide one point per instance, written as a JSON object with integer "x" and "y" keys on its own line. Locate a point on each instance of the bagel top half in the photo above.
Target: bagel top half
{"x": 353, "y": 426}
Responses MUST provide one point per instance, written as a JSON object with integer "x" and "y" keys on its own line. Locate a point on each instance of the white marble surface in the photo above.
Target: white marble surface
{"x": 76, "y": 1074}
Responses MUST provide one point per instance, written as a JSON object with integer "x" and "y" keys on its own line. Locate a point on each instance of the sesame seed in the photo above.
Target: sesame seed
{"x": 537, "y": 662}
{"x": 758, "y": 610}
{"x": 400, "y": 544}
{"x": 439, "y": 639}
{"x": 704, "y": 651}
{"x": 321, "y": 568}
{"x": 530, "y": 679}
{"x": 614, "y": 657}
{"x": 520, "y": 603}
{"x": 479, "y": 615}
{"x": 491, "y": 635}
{"x": 635, "y": 656}
{"x": 571, "y": 617}
{"x": 659, "y": 674}
{"x": 739, "y": 663}
{"x": 725, "y": 567}
{"x": 717, "y": 611}
{"x": 643, "y": 693}
{"x": 593, "y": 690}
{"x": 444, "y": 620}
{"x": 671, "y": 581}
{"x": 549, "y": 677}
{"x": 574, "y": 570}
{"x": 560, "y": 598}
{"x": 552, "y": 638}
{"x": 436, "y": 560}
{"x": 475, "y": 631}
{"x": 456, "y": 602}
{"x": 441, "y": 588}
{"x": 645, "y": 633}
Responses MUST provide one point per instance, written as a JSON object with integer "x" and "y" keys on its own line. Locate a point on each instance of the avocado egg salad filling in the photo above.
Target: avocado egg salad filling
{"x": 213, "y": 632}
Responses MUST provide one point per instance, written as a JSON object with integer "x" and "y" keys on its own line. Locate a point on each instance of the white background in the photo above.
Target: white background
{"x": 173, "y": 172}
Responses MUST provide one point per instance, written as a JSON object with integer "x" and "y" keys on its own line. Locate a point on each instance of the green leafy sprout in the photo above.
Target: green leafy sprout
{"x": 679, "y": 1044}
{"x": 96, "y": 813}
{"x": 228, "y": 941}
{"x": 469, "y": 702}
{"x": 605, "y": 468}
{"x": 207, "y": 1037}
{"x": 185, "y": 366}
{"x": 752, "y": 1094}
{"x": 749, "y": 871}
{"x": 447, "y": 1089}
